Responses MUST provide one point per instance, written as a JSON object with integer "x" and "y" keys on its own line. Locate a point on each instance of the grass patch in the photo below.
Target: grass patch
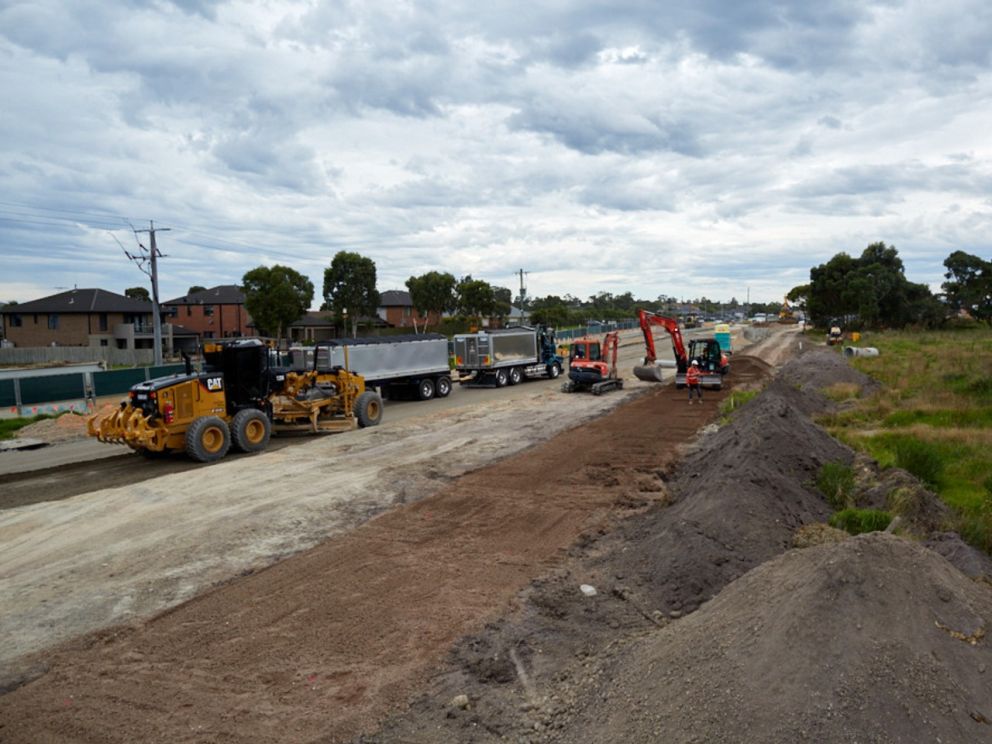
{"x": 735, "y": 400}
{"x": 842, "y": 391}
{"x": 932, "y": 417}
{"x": 835, "y": 480}
{"x": 11, "y": 426}
{"x": 859, "y": 521}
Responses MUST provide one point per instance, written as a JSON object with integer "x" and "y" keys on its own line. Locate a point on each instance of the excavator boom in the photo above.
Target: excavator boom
{"x": 650, "y": 371}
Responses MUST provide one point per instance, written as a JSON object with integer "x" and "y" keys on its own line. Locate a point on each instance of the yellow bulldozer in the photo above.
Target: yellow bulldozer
{"x": 237, "y": 401}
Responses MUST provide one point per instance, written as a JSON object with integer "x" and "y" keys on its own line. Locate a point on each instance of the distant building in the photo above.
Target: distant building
{"x": 314, "y": 326}
{"x": 85, "y": 317}
{"x": 396, "y": 308}
{"x": 218, "y": 312}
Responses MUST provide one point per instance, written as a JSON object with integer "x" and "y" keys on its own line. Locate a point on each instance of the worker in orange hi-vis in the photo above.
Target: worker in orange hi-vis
{"x": 692, "y": 381}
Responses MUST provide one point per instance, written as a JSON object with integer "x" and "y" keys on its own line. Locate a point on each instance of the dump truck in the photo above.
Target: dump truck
{"x": 238, "y": 399}
{"x": 507, "y": 356}
{"x": 396, "y": 366}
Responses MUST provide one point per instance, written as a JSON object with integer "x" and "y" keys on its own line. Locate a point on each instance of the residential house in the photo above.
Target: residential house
{"x": 396, "y": 308}
{"x": 85, "y": 317}
{"x": 218, "y": 312}
{"x": 314, "y": 326}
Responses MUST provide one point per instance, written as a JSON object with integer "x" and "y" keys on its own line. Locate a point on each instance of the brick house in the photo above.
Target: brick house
{"x": 83, "y": 317}
{"x": 218, "y": 312}
{"x": 396, "y": 308}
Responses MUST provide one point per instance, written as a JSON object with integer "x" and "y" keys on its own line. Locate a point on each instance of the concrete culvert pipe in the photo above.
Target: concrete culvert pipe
{"x": 860, "y": 351}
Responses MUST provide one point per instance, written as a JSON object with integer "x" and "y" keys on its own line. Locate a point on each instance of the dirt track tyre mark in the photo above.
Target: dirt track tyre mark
{"x": 443, "y": 387}
{"x": 368, "y": 409}
{"x": 250, "y": 431}
{"x": 207, "y": 439}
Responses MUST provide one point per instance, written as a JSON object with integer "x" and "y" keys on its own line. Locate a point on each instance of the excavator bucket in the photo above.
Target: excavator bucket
{"x": 649, "y": 373}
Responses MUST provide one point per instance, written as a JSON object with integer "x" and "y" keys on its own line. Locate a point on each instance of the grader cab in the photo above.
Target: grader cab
{"x": 241, "y": 397}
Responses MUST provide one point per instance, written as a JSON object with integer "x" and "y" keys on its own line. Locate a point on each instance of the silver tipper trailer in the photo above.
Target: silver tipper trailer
{"x": 506, "y": 356}
{"x": 394, "y": 365}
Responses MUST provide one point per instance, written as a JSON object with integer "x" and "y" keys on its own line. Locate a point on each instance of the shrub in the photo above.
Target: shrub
{"x": 920, "y": 459}
{"x": 859, "y": 521}
{"x": 835, "y": 480}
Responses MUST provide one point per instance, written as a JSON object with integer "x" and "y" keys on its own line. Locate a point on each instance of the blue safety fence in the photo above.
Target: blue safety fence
{"x": 594, "y": 330}
{"x": 7, "y": 396}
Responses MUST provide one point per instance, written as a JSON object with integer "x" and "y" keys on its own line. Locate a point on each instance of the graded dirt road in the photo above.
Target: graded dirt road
{"x": 321, "y": 644}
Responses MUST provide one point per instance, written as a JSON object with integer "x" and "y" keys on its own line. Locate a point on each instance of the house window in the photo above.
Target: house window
{"x": 208, "y": 334}
{"x": 208, "y": 310}
{"x": 103, "y": 321}
{"x": 189, "y": 311}
{"x": 103, "y": 342}
{"x": 36, "y": 318}
{"x": 53, "y": 322}
{"x": 16, "y": 321}
{"x": 407, "y": 311}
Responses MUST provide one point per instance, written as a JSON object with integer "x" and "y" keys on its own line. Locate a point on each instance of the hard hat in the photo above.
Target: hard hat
{"x": 695, "y": 363}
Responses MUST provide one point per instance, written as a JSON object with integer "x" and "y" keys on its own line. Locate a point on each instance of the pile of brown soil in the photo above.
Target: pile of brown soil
{"x": 65, "y": 428}
{"x": 870, "y": 639}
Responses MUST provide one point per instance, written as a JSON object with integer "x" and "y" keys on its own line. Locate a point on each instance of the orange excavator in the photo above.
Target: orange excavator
{"x": 592, "y": 365}
{"x": 713, "y": 363}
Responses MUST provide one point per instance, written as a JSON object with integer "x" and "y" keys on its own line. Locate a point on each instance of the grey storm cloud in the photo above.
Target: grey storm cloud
{"x": 600, "y": 135}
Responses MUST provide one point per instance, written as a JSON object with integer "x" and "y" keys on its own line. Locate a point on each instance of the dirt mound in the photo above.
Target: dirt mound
{"x": 968, "y": 560}
{"x": 870, "y": 639}
{"x": 820, "y": 368}
{"x": 65, "y": 428}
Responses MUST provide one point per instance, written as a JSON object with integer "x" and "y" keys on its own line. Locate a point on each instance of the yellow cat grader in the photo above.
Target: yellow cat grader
{"x": 237, "y": 401}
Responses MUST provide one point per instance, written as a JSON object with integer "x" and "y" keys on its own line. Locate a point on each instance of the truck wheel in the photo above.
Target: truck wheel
{"x": 554, "y": 370}
{"x": 425, "y": 389}
{"x": 516, "y": 376}
{"x": 207, "y": 439}
{"x": 443, "y": 387}
{"x": 368, "y": 409}
{"x": 501, "y": 378}
{"x": 250, "y": 430}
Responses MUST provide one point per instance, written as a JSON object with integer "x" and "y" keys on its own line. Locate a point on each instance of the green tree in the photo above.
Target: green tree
{"x": 871, "y": 290}
{"x": 138, "y": 293}
{"x": 433, "y": 292}
{"x": 969, "y": 285}
{"x": 550, "y": 311}
{"x": 275, "y": 297}
{"x": 194, "y": 289}
{"x": 349, "y": 285}
{"x": 503, "y": 303}
{"x": 475, "y": 297}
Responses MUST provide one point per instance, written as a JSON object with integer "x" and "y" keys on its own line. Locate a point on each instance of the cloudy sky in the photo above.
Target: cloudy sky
{"x": 687, "y": 147}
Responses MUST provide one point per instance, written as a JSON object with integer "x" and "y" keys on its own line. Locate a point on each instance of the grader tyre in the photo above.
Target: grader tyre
{"x": 207, "y": 439}
{"x": 250, "y": 430}
{"x": 368, "y": 409}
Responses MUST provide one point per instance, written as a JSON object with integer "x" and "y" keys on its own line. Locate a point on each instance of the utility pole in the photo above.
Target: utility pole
{"x": 153, "y": 273}
{"x": 523, "y": 290}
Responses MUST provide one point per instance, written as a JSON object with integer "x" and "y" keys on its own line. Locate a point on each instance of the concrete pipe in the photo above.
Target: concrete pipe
{"x": 860, "y": 351}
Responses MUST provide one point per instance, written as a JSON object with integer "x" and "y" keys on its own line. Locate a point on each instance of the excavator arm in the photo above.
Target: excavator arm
{"x": 649, "y": 319}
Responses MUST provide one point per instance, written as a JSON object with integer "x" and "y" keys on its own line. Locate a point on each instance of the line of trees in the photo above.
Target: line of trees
{"x": 871, "y": 291}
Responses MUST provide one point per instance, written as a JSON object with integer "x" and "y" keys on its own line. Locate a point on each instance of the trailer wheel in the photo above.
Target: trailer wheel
{"x": 368, "y": 409}
{"x": 425, "y": 389}
{"x": 443, "y": 387}
{"x": 501, "y": 378}
{"x": 207, "y": 439}
{"x": 250, "y": 430}
{"x": 554, "y": 370}
{"x": 516, "y": 376}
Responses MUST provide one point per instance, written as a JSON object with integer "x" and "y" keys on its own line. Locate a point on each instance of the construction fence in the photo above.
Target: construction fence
{"x": 29, "y": 396}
